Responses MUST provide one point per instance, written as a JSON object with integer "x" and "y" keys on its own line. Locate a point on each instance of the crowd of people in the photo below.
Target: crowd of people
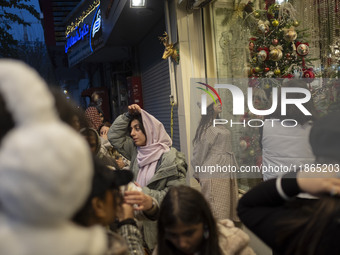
{"x": 74, "y": 183}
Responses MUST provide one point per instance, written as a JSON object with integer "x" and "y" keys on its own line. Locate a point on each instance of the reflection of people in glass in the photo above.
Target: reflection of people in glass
{"x": 212, "y": 147}
{"x": 288, "y": 144}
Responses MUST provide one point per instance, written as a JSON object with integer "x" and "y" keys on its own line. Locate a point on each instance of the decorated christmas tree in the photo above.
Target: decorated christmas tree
{"x": 277, "y": 48}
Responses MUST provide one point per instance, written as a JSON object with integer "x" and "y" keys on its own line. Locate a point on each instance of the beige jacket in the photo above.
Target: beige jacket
{"x": 233, "y": 240}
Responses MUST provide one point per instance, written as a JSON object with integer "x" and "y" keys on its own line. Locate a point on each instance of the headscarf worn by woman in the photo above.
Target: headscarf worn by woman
{"x": 157, "y": 143}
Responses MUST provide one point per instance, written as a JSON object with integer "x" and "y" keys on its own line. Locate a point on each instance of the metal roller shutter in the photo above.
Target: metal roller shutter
{"x": 156, "y": 92}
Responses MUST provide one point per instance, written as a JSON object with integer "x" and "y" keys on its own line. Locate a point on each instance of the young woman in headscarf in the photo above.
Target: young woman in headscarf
{"x": 156, "y": 165}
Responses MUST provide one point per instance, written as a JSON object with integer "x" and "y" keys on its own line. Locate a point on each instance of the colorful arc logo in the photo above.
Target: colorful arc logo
{"x": 209, "y": 93}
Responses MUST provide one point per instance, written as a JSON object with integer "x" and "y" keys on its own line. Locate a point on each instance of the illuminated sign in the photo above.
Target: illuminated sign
{"x": 79, "y": 35}
{"x": 96, "y": 26}
{"x": 97, "y": 23}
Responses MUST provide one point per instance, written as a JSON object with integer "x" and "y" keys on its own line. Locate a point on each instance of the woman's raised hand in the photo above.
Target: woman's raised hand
{"x": 143, "y": 201}
{"x": 134, "y": 108}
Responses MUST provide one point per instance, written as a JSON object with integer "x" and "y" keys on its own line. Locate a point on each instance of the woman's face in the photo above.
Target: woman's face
{"x": 217, "y": 107}
{"x": 137, "y": 134}
{"x": 186, "y": 238}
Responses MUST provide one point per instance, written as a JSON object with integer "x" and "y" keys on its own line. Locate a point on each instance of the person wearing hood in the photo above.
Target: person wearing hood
{"x": 93, "y": 112}
{"x": 156, "y": 165}
{"x": 45, "y": 172}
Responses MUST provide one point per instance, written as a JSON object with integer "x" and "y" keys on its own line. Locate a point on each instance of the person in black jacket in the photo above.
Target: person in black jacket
{"x": 295, "y": 226}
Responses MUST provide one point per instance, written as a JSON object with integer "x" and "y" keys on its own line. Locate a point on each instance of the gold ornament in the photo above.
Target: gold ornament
{"x": 275, "y": 53}
{"x": 252, "y": 153}
{"x": 267, "y": 86}
{"x": 277, "y": 71}
{"x": 289, "y": 34}
{"x": 257, "y": 69}
{"x": 275, "y": 23}
{"x": 257, "y": 14}
{"x": 296, "y": 23}
{"x": 243, "y": 145}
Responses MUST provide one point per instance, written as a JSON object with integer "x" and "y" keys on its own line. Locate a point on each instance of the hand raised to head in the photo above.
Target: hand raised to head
{"x": 134, "y": 108}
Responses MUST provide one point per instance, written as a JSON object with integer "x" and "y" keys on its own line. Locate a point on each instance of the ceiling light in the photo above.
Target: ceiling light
{"x": 137, "y": 3}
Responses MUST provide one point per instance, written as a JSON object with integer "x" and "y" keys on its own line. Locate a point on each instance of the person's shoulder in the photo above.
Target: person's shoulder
{"x": 173, "y": 156}
{"x": 232, "y": 238}
{"x": 117, "y": 244}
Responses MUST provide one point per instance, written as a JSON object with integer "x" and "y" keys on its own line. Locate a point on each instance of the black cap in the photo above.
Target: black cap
{"x": 104, "y": 178}
{"x": 325, "y": 136}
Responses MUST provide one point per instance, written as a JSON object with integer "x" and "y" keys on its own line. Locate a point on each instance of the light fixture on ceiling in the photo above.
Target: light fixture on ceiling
{"x": 137, "y": 3}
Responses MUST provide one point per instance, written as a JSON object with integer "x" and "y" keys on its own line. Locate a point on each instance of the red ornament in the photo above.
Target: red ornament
{"x": 275, "y": 42}
{"x": 308, "y": 74}
{"x": 251, "y": 46}
{"x": 288, "y": 76}
{"x": 266, "y": 69}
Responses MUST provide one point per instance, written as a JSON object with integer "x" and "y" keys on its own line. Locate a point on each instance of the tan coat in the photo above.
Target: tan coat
{"x": 219, "y": 189}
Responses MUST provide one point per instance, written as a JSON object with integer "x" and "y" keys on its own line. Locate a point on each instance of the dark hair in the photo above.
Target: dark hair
{"x": 7, "y": 122}
{"x": 313, "y": 220}
{"x": 85, "y": 216}
{"x": 186, "y": 205}
{"x": 206, "y": 121}
{"x": 292, "y": 111}
{"x": 140, "y": 120}
{"x": 67, "y": 109}
{"x": 90, "y": 132}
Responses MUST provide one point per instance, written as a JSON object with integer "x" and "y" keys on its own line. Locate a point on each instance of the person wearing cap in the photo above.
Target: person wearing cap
{"x": 106, "y": 203}
{"x": 156, "y": 165}
{"x": 45, "y": 172}
{"x": 301, "y": 226}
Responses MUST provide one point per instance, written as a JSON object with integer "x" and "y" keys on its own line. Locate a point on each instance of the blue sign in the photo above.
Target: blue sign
{"x": 96, "y": 26}
{"x": 79, "y": 35}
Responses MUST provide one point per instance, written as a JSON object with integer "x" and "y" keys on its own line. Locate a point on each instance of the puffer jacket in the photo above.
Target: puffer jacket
{"x": 170, "y": 171}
